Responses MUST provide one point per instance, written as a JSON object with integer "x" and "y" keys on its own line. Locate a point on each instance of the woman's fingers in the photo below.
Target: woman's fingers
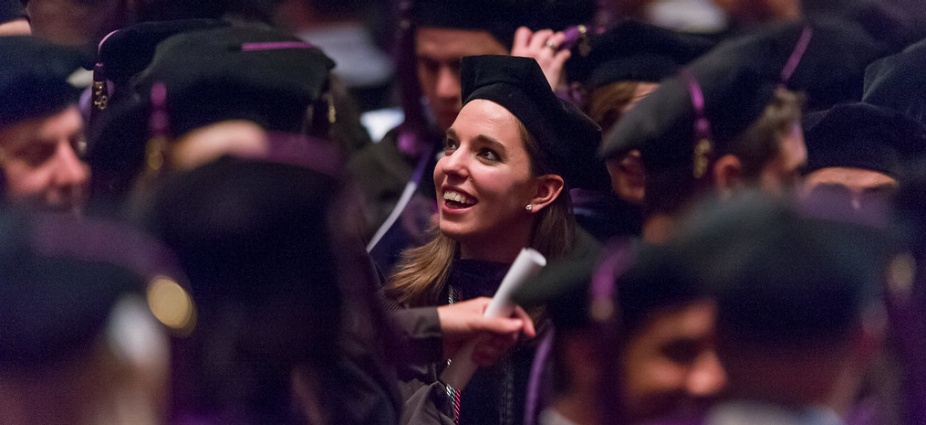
{"x": 528, "y": 328}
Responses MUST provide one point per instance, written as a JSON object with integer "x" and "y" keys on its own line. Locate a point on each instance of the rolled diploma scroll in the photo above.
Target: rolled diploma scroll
{"x": 461, "y": 367}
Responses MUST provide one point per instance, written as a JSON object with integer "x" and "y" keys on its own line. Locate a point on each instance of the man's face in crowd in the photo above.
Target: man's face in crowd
{"x": 857, "y": 186}
{"x": 438, "y": 52}
{"x": 670, "y": 363}
{"x": 41, "y": 163}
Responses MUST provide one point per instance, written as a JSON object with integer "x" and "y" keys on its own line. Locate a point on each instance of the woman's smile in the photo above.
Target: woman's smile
{"x": 456, "y": 200}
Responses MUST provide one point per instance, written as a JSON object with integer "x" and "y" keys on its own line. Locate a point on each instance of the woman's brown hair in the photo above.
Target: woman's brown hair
{"x": 605, "y": 105}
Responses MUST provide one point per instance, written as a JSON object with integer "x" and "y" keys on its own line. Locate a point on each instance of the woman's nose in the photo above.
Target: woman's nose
{"x": 454, "y": 164}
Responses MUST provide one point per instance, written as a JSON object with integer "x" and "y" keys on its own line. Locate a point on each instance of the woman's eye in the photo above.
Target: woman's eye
{"x": 450, "y": 145}
{"x": 489, "y": 154}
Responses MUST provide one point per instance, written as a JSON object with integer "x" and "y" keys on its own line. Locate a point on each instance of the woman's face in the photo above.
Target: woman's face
{"x": 484, "y": 180}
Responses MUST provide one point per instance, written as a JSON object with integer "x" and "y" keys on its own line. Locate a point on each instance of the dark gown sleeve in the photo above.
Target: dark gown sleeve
{"x": 420, "y": 338}
{"x": 428, "y": 405}
{"x": 420, "y": 348}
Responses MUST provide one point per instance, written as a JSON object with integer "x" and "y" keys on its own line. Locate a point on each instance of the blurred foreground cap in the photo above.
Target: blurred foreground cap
{"x": 128, "y": 51}
{"x": 60, "y": 277}
{"x": 237, "y": 72}
{"x": 780, "y": 275}
{"x": 640, "y": 279}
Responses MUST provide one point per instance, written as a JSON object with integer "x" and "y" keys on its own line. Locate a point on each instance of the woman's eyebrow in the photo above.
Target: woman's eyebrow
{"x": 493, "y": 144}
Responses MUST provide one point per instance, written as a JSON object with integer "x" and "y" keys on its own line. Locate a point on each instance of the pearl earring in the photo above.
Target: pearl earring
{"x": 529, "y": 207}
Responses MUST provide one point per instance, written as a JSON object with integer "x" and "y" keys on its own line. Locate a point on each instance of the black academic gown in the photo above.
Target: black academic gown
{"x": 381, "y": 172}
{"x": 494, "y": 395}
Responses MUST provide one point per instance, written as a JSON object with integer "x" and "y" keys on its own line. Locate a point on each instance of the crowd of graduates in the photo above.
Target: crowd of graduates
{"x": 301, "y": 212}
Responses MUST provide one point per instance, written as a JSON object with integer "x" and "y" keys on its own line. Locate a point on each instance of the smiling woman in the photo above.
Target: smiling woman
{"x": 502, "y": 185}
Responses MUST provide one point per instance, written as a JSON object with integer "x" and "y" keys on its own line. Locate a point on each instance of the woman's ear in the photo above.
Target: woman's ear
{"x": 548, "y": 189}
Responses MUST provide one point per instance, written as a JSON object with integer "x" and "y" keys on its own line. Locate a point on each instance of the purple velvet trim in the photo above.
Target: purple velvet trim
{"x": 582, "y": 197}
{"x": 618, "y": 259}
{"x": 532, "y": 402}
{"x": 275, "y": 45}
{"x": 702, "y": 125}
{"x": 574, "y": 34}
{"x": 422, "y": 166}
{"x": 92, "y": 240}
{"x": 799, "y": 49}
{"x": 159, "y": 121}
{"x": 99, "y": 46}
{"x": 85, "y": 103}
{"x": 407, "y": 142}
{"x": 303, "y": 151}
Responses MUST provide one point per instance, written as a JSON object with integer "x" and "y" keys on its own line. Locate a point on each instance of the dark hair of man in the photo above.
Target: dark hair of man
{"x": 669, "y": 190}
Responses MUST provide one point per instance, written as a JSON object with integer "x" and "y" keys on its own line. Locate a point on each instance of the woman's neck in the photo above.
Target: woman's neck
{"x": 495, "y": 253}
{"x": 500, "y": 248}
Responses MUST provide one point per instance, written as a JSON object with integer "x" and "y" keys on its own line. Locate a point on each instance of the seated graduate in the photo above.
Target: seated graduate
{"x": 857, "y": 154}
{"x": 633, "y": 339}
{"x": 509, "y": 158}
{"x": 288, "y": 328}
{"x": 731, "y": 119}
{"x": 622, "y": 66}
{"x": 800, "y": 315}
{"x": 41, "y": 130}
{"x": 392, "y": 175}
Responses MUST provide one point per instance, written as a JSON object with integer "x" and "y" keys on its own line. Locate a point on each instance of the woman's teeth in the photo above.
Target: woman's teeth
{"x": 458, "y": 198}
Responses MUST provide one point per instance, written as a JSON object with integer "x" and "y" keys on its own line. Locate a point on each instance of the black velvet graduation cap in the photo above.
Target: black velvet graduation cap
{"x": 11, "y": 10}
{"x": 60, "y": 277}
{"x": 237, "y": 72}
{"x": 566, "y": 136}
{"x": 860, "y": 135}
{"x": 502, "y": 17}
{"x": 643, "y": 278}
{"x": 635, "y": 51}
{"x": 128, "y": 51}
{"x": 897, "y": 82}
{"x": 255, "y": 236}
{"x": 780, "y": 276}
{"x": 223, "y": 73}
{"x": 563, "y": 287}
{"x": 733, "y": 84}
{"x": 34, "y": 78}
